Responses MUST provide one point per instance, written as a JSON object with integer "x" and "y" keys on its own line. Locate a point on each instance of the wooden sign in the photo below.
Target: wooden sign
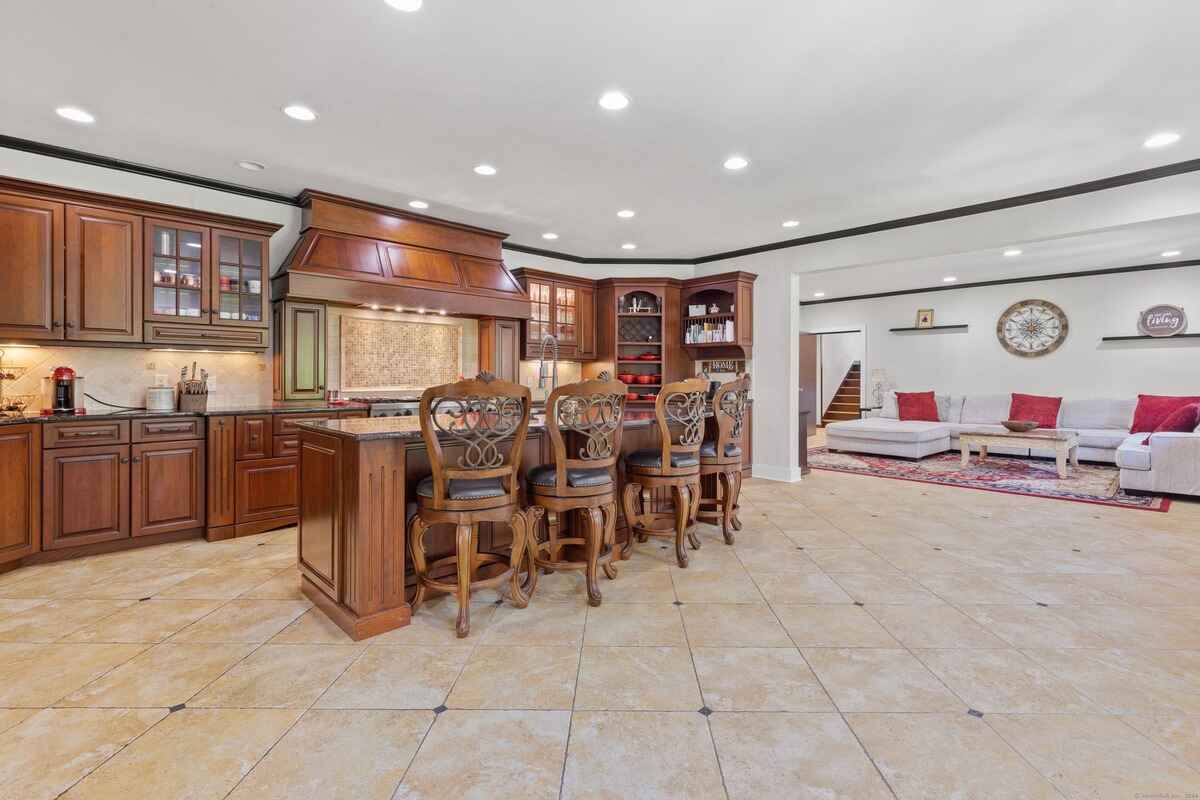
{"x": 1162, "y": 320}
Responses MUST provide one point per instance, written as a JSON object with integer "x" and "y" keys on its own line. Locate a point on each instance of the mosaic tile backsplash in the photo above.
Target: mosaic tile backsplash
{"x": 392, "y": 355}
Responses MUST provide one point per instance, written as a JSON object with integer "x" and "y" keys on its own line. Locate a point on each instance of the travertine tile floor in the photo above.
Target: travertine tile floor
{"x": 864, "y": 639}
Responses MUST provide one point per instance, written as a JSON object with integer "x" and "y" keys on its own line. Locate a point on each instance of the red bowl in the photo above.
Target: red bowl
{"x": 626, "y": 377}
{"x": 648, "y": 356}
{"x": 631, "y": 395}
{"x": 645, "y": 379}
{"x": 657, "y": 377}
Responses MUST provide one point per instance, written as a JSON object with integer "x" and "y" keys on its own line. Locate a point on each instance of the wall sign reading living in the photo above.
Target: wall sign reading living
{"x": 392, "y": 355}
{"x": 1162, "y": 320}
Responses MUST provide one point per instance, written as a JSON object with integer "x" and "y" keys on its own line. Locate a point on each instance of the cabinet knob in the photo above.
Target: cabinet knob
{"x": 70, "y": 324}
{"x": 137, "y": 460}
{"x": 124, "y": 460}
{"x": 56, "y": 324}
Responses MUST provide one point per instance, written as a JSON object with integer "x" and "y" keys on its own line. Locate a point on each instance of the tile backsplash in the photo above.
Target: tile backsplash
{"x": 467, "y": 331}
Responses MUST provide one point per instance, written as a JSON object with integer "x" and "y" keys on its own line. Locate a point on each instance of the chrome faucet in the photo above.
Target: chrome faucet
{"x": 551, "y": 340}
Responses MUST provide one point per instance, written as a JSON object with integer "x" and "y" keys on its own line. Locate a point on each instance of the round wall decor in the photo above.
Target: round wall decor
{"x": 1032, "y": 328}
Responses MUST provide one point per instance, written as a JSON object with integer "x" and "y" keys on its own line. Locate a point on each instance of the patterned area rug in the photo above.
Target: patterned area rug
{"x": 1035, "y": 477}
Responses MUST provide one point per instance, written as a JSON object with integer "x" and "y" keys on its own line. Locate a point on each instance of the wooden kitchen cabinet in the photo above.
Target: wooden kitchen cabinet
{"x": 299, "y": 351}
{"x": 20, "y": 491}
{"x": 103, "y": 275}
{"x": 167, "y": 487}
{"x": 268, "y": 489}
{"x": 239, "y": 281}
{"x": 177, "y": 272}
{"x": 253, "y": 437}
{"x": 85, "y": 495}
{"x": 222, "y": 491}
{"x": 31, "y": 268}
{"x": 500, "y": 348}
{"x": 563, "y": 306}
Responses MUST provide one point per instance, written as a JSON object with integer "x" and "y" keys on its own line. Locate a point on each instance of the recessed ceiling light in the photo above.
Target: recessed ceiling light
{"x": 253, "y": 166}
{"x": 818, "y": 294}
{"x": 614, "y": 100}
{"x": 1171, "y": 253}
{"x": 405, "y": 5}
{"x": 629, "y": 246}
{"x": 1164, "y": 139}
{"x": 791, "y": 223}
{"x": 400, "y": 308}
{"x": 421, "y": 310}
{"x": 75, "y": 114}
{"x": 549, "y": 235}
{"x": 626, "y": 213}
{"x": 418, "y": 204}
{"x": 374, "y": 306}
{"x": 949, "y": 279}
{"x": 1012, "y": 251}
{"x": 736, "y": 163}
{"x": 485, "y": 169}
{"x": 302, "y": 113}
{"x": 442, "y": 311}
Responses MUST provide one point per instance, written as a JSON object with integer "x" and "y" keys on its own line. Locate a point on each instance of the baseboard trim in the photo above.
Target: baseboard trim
{"x": 771, "y": 472}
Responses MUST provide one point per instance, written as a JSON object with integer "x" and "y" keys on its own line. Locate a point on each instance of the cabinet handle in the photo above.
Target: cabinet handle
{"x": 169, "y": 428}
{"x": 83, "y": 434}
{"x": 124, "y": 460}
{"x": 56, "y": 324}
{"x": 137, "y": 461}
{"x": 70, "y": 324}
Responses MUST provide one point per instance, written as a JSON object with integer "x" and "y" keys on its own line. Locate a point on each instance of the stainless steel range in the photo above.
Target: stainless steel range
{"x": 390, "y": 406}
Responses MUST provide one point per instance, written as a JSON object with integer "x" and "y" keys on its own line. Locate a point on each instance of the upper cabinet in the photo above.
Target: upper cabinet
{"x": 239, "y": 279}
{"x": 563, "y": 307}
{"x": 103, "y": 285}
{"x": 718, "y": 316}
{"x": 31, "y": 268}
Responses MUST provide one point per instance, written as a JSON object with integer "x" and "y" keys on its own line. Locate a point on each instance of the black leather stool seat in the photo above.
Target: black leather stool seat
{"x": 653, "y": 459}
{"x": 544, "y": 476}
{"x": 709, "y": 450}
{"x": 464, "y": 488}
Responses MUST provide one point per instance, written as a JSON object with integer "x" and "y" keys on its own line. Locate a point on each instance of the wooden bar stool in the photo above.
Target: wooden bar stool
{"x": 679, "y": 413}
{"x": 721, "y": 456}
{"x": 591, "y": 412}
{"x": 482, "y": 486}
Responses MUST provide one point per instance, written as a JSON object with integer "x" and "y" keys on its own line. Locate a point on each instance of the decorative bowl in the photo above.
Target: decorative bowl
{"x": 1019, "y": 425}
{"x": 648, "y": 356}
{"x": 645, "y": 379}
{"x": 632, "y": 395}
{"x": 657, "y": 377}
{"x": 627, "y": 377}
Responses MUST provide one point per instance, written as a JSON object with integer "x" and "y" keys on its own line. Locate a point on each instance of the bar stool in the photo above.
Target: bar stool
{"x": 721, "y": 456}
{"x": 477, "y": 416}
{"x": 591, "y": 412}
{"x": 679, "y": 414}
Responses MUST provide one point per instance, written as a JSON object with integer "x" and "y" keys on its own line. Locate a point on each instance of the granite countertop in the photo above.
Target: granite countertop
{"x": 410, "y": 427}
{"x": 214, "y": 409}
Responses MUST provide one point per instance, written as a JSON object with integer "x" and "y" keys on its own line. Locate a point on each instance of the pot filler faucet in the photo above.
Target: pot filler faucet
{"x": 550, "y": 340}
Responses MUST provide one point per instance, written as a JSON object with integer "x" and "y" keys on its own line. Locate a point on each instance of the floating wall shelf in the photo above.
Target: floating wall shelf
{"x": 1143, "y": 337}
{"x": 933, "y": 328}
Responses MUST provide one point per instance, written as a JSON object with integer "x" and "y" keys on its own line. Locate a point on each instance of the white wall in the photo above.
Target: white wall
{"x": 838, "y": 352}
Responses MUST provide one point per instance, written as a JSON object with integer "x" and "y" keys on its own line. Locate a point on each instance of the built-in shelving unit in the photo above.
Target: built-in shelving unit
{"x": 929, "y": 329}
{"x": 717, "y": 320}
{"x": 1144, "y": 338}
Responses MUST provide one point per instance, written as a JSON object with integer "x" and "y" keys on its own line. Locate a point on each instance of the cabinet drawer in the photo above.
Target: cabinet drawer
{"x": 206, "y": 335}
{"x": 267, "y": 489}
{"x": 287, "y": 446}
{"x": 85, "y": 434}
{"x": 285, "y": 424}
{"x": 253, "y": 437}
{"x": 167, "y": 430}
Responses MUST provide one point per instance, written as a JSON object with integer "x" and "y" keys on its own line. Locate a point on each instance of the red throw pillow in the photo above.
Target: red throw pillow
{"x": 1042, "y": 410}
{"x": 1152, "y": 409}
{"x": 917, "y": 406}
{"x": 1181, "y": 420}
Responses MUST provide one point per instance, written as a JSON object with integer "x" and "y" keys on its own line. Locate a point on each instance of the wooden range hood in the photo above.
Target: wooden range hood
{"x": 355, "y": 253}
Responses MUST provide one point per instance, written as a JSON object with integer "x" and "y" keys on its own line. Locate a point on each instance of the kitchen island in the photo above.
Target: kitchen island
{"x": 357, "y": 490}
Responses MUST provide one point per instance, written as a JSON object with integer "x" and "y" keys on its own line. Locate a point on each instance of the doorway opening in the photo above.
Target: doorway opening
{"x": 831, "y": 378}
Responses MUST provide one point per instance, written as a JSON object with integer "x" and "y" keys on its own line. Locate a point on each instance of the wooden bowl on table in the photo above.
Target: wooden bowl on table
{"x": 1019, "y": 425}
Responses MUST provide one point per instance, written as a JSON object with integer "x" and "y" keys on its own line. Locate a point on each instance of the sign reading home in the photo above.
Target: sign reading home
{"x": 1162, "y": 321}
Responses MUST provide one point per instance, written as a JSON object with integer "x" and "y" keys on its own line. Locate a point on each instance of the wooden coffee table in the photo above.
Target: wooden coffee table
{"x": 1065, "y": 444}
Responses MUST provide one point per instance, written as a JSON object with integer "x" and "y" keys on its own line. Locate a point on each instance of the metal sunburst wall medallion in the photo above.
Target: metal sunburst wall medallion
{"x": 1032, "y": 328}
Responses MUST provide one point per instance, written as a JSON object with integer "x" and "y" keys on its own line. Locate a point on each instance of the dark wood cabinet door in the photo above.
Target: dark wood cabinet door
{"x": 566, "y": 326}
{"x": 167, "y": 491}
{"x": 267, "y": 489}
{"x": 541, "y": 309}
{"x": 241, "y": 271}
{"x": 319, "y": 545}
{"x": 585, "y": 321}
{"x": 500, "y": 348}
{"x": 222, "y": 453}
{"x": 103, "y": 275}
{"x": 20, "y": 491}
{"x": 302, "y": 340}
{"x": 177, "y": 272}
{"x": 253, "y": 437}
{"x": 85, "y": 495}
{"x": 31, "y": 268}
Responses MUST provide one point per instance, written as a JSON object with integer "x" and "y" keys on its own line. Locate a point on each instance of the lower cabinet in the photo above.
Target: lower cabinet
{"x": 167, "y": 487}
{"x": 85, "y": 495}
{"x": 267, "y": 488}
{"x": 20, "y": 491}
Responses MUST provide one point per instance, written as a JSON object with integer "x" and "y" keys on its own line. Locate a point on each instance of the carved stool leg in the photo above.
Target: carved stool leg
{"x": 416, "y": 545}
{"x": 610, "y": 538}
{"x": 647, "y": 506}
{"x": 464, "y": 544}
{"x": 629, "y": 506}
{"x": 553, "y": 523}
{"x": 533, "y": 519}
{"x": 520, "y": 549}
{"x": 683, "y": 502}
{"x": 726, "y": 480}
{"x": 593, "y": 523}
{"x": 733, "y": 501}
{"x": 692, "y": 510}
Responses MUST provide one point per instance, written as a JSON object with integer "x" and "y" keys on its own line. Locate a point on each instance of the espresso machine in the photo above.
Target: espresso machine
{"x": 62, "y": 392}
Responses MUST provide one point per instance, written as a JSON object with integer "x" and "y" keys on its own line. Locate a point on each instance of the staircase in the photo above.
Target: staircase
{"x": 845, "y": 403}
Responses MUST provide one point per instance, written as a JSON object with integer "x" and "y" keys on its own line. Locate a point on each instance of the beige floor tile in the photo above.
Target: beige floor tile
{"x": 539, "y": 623}
{"x": 50, "y": 751}
{"x": 36, "y": 675}
{"x": 1004, "y": 681}
{"x": 758, "y": 679}
{"x": 791, "y": 588}
{"x": 1133, "y": 627}
{"x": 637, "y": 679}
{"x": 879, "y": 680}
{"x": 218, "y": 583}
{"x": 489, "y": 754}
{"x": 284, "y": 586}
{"x": 637, "y": 587}
{"x": 53, "y": 620}
{"x": 936, "y": 756}
{"x": 165, "y": 675}
{"x": 134, "y": 583}
{"x": 279, "y": 676}
{"x": 151, "y": 621}
{"x": 313, "y": 627}
{"x": 799, "y": 756}
{"x": 1059, "y": 590}
{"x": 933, "y": 626}
{"x": 849, "y": 559}
{"x": 833, "y": 626}
{"x": 715, "y": 587}
{"x": 647, "y": 624}
{"x": 250, "y": 621}
{"x": 820, "y": 537}
{"x": 12, "y": 717}
{"x": 1178, "y": 734}
{"x": 1129, "y": 681}
{"x": 1096, "y": 757}
{"x": 267, "y": 556}
{"x": 784, "y": 557}
{"x": 338, "y": 755}
{"x": 730, "y": 625}
{"x": 972, "y": 589}
{"x": 432, "y": 623}
{"x": 640, "y": 755}
{"x": 885, "y": 590}
{"x": 1034, "y": 626}
{"x": 16, "y": 606}
{"x": 194, "y": 753}
{"x": 1145, "y": 590}
{"x": 389, "y": 676}
{"x": 517, "y": 677}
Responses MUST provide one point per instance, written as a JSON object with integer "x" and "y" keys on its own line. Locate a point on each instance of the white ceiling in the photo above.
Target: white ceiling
{"x": 851, "y": 113}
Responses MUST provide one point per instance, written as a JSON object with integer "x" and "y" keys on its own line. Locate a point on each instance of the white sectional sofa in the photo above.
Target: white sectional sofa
{"x": 1170, "y": 463}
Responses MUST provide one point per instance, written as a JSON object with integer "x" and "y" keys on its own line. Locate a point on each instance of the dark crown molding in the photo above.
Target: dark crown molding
{"x": 1087, "y": 187}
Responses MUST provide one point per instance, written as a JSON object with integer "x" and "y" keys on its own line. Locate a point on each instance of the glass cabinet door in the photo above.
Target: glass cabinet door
{"x": 564, "y": 313}
{"x": 539, "y": 311}
{"x": 239, "y": 281}
{"x": 178, "y": 272}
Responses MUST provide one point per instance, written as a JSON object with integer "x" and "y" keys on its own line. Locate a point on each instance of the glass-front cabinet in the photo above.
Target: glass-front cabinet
{"x": 239, "y": 279}
{"x": 564, "y": 314}
{"x": 178, "y": 276}
{"x": 539, "y": 312}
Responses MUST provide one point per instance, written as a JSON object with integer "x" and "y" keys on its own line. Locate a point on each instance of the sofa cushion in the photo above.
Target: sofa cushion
{"x": 917, "y": 406}
{"x": 544, "y": 476}
{"x": 1181, "y": 420}
{"x": 948, "y": 407}
{"x": 889, "y": 430}
{"x": 986, "y": 408}
{"x": 464, "y": 488}
{"x": 1097, "y": 413}
{"x": 1132, "y": 454}
{"x": 1152, "y": 409}
{"x": 1042, "y": 410}
{"x": 709, "y": 449}
{"x": 1100, "y": 439}
{"x": 653, "y": 459}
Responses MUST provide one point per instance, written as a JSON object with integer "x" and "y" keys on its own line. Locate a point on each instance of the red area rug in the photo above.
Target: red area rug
{"x": 1034, "y": 477}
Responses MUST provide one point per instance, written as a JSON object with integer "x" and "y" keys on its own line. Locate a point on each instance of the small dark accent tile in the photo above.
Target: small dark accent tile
{"x": 499, "y": 601}
{"x": 937, "y": 548}
{"x": 799, "y": 548}
{"x": 1043, "y": 605}
{"x": 261, "y": 544}
{"x": 439, "y": 709}
{"x": 143, "y": 599}
{"x": 705, "y": 710}
{"x": 1076, "y": 550}
{"x": 974, "y": 713}
{"x": 179, "y": 707}
{"x": 858, "y": 602}
{"x": 677, "y": 603}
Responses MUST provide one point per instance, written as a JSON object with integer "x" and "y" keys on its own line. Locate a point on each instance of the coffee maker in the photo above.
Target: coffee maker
{"x": 62, "y": 392}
